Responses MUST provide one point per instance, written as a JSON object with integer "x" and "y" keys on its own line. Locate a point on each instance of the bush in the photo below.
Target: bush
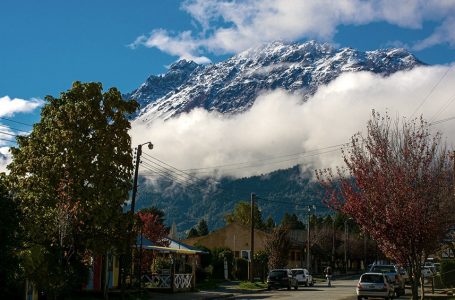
{"x": 241, "y": 270}
{"x": 448, "y": 272}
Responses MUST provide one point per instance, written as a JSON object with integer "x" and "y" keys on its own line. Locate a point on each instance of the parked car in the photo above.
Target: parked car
{"x": 428, "y": 271}
{"x": 281, "y": 278}
{"x": 375, "y": 285}
{"x": 391, "y": 271}
{"x": 303, "y": 277}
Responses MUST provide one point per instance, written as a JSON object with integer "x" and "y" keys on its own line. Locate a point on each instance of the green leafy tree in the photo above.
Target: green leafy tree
{"x": 270, "y": 223}
{"x": 291, "y": 221}
{"x": 71, "y": 175}
{"x": 9, "y": 242}
{"x": 202, "y": 228}
{"x": 242, "y": 215}
{"x": 193, "y": 233}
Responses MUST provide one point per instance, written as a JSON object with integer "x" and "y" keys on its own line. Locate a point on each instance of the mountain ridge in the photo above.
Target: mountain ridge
{"x": 231, "y": 86}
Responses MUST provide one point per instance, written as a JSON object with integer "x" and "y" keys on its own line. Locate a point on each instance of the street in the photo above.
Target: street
{"x": 340, "y": 290}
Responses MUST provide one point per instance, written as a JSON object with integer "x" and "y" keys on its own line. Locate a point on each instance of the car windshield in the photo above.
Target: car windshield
{"x": 383, "y": 269}
{"x": 297, "y": 272}
{"x": 277, "y": 274}
{"x": 371, "y": 278}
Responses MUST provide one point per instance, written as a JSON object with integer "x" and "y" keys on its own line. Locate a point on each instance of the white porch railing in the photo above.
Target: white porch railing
{"x": 181, "y": 281}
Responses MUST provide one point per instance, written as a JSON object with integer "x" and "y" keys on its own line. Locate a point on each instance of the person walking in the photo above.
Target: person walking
{"x": 328, "y": 275}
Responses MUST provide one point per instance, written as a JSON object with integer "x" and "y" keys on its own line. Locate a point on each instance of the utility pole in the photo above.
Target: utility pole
{"x": 308, "y": 237}
{"x": 453, "y": 156}
{"x": 133, "y": 204}
{"x": 345, "y": 245}
{"x": 136, "y": 172}
{"x": 251, "y": 275}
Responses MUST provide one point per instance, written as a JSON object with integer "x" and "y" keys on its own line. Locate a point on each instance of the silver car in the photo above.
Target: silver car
{"x": 374, "y": 285}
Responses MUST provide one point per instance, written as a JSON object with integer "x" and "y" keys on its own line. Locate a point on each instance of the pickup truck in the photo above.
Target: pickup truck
{"x": 391, "y": 271}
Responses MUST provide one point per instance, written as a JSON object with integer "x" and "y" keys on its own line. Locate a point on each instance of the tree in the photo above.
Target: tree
{"x": 397, "y": 187}
{"x": 70, "y": 177}
{"x": 242, "y": 215}
{"x": 270, "y": 223}
{"x": 292, "y": 221}
{"x": 193, "y": 233}
{"x": 10, "y": 237}
{"x": 202, "y": 228}
{"x": 151, "y": 226}
{"x": 277, "y": 247}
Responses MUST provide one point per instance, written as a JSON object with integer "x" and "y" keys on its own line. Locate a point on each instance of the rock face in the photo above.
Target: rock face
{"x": 231, "y": 86}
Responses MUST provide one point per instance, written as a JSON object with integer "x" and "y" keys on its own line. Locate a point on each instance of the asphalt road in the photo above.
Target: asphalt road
{"x": 340, "y": 290}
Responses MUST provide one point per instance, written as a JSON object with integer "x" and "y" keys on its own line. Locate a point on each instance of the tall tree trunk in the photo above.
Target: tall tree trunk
{"x": 422, "y": 287}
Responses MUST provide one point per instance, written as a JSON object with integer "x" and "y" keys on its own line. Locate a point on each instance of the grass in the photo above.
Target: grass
{"x": 208, "y": 284}
{"x": 246, "y": 285}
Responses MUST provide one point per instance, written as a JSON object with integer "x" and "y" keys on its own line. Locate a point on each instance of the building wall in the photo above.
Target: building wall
{"x": 233, "y": 236}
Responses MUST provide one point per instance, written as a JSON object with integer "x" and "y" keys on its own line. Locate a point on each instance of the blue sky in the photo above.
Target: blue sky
{"x": 48, "y": 44}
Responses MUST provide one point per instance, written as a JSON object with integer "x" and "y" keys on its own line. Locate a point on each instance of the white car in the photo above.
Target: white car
{"x": 428, "y": 271}
{"x": 303, "y": 277}
{"x": 375, "y": 285}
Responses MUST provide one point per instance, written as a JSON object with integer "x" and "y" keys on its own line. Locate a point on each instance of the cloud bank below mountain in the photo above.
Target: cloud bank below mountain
{"x": 281, "y": 130}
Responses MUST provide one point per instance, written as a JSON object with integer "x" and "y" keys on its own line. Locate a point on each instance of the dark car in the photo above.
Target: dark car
{"x": 281, "y": 278}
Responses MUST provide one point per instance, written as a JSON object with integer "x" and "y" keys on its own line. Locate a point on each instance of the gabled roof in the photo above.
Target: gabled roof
{"x": 174, "y": 246}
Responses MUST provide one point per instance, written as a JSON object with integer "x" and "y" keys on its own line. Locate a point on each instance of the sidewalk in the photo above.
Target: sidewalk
{"x": 225, "y": 290}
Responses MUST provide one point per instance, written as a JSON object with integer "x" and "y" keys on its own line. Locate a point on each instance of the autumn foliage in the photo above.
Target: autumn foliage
{"x": 397, "y": 186}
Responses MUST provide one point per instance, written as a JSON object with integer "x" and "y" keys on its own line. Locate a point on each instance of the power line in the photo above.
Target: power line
{"x": 268, "y": 163}
{"x": 161, "y": 167}
{"x": 442, "y": 121}
{"x": 161, "y": 163}
{"x": 7, "y": 140}
{"x": 171, "y": 177}
{"x": 431, "y": 91}
{"x": 17, "y": 122}
{"x": 10, "y": 134}
{"x": 444, "y": 107}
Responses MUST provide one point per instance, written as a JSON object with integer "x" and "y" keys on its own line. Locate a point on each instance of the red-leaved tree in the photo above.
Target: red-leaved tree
{"x": 397, "y": 185}
{"x": 151, "y": 226}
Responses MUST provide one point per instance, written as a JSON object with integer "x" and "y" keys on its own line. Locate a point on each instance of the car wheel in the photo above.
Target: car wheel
{"x": 269, "y": 288}
{"x": 311, "y": 283}
{"x": 296, "y": 287}
{"x": 305, "y": 284}
{"x": 289, "y": 287}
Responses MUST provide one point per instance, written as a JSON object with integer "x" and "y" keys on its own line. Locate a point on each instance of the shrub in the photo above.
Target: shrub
{"x": 448, "y": 272}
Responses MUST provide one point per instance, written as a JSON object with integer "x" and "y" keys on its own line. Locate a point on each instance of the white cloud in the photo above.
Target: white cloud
{"x": 5, "y": 158}
{"x": 232, "y": 26}
{"x": 9, "y": 107}
{"x": 443, "y": 34}
{"x": 279, "y": 123}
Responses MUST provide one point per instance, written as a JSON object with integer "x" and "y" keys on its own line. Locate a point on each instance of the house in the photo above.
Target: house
{"x": 234, "y": 236}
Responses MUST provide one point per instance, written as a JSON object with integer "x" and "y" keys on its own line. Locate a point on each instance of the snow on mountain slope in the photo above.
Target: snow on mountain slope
{"x": 232, "y": 86}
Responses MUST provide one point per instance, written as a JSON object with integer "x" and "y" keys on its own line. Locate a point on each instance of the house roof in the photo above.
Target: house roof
{"x": 174, "y": 246}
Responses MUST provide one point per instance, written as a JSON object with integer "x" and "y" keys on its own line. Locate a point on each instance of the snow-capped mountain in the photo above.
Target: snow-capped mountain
{"x": 231, "y": 86}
